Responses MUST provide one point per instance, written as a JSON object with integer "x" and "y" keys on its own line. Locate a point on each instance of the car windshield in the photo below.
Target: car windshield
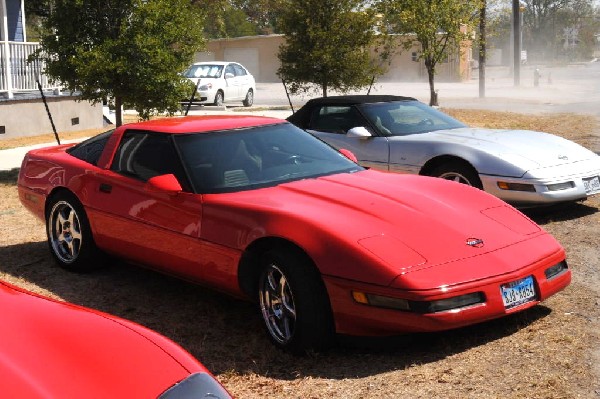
{"x": 401, "y": 118}
{"x": 256, "y": 157}
{"x": 204, "y": 71}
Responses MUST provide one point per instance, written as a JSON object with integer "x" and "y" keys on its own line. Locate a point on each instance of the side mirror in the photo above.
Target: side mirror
{"x": 164, "y": 184}
{"x": 228, "y": 75}
{"x": 359, "y": 132}
{"x": 349, "y": 154}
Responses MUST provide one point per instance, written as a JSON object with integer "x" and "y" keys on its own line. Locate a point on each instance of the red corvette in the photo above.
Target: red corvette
{"x": 258, "y": 208}
{"x": 51, "y": 349}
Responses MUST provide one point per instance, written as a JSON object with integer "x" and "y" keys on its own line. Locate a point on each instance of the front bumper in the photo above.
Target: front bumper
{"x": 354, "y": 318}
{"x": 573, "y": 190}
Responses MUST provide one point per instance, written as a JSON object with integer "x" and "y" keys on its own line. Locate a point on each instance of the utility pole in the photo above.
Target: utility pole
{"x": 482, "y": 49}
{"x": 516, "y": 12}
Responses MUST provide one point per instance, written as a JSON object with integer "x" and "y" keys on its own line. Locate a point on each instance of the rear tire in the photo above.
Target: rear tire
{"x": 294, "y": 303}
{"x": 69, "y": 235}
{"x": 459, "y": 172}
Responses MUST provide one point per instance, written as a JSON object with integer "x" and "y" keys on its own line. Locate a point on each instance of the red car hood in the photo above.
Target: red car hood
{"x": 406, "y": 223}
{"x": 50, "y": 349}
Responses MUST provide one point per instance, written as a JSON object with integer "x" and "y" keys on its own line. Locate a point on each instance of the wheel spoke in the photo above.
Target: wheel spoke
{"x": 287, "y": 301}
{"x": 277, "y": 304}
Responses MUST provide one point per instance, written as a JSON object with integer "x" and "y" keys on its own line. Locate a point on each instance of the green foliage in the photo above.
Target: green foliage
{"x": 131, "y": 51}
{"x": 234, "y": 18}
{"x": 438, "y": 26}
{"x": 328, "y": 45}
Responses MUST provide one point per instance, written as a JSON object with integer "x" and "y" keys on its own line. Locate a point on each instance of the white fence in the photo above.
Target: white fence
{"x": 17, "y": 72}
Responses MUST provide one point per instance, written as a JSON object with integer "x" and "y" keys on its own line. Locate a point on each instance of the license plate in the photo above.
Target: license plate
{"x": 518, "y": 292}
{"x": 591, "y": 184}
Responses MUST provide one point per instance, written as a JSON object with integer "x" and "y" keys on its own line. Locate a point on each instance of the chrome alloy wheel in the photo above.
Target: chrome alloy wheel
{"x": 277, "y": 304}
{"x": 64, "y": 232}
{"x": 457, "y": 177}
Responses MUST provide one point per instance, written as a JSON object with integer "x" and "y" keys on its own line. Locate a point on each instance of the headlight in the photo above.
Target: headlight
{"x": 207, "y": 86}
{"x": 441, "y": 305}
{"x": 199, "y": 385}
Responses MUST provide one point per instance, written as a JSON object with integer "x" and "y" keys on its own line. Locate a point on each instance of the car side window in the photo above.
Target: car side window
{"x": 143, "y": 155}
{"x": 336, "y": 119}
{"x": 230, "y": 69}
{"x": 239, "y": 70}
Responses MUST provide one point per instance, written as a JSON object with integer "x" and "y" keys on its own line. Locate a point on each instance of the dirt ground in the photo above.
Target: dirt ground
{"x": 550, "y": 351}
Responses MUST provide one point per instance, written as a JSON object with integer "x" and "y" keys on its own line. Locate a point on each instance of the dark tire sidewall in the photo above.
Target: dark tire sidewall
{"x": 88, "y": 254}
{"x": 314, "y": 329}
{"x": 249, "y": 100}
{"x": 219, "y": 98}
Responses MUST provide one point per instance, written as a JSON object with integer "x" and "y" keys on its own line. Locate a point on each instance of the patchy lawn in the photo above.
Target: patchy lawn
{"x": 550, "y": 351}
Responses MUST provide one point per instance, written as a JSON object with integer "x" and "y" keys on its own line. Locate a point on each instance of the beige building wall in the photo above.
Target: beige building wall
{"x": 259, "y": 55}
{"x": 29, "y": 118}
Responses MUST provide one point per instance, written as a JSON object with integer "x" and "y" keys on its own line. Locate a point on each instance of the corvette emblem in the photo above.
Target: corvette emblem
{"x": 475, "y": 242}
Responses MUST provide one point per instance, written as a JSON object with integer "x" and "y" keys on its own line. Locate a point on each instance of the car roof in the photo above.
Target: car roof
{"x": 358, "y": 99}
{"x": 302, "y": 116}
{"x": 203, "y": 123}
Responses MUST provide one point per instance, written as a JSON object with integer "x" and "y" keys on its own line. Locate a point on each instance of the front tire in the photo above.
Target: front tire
{"x": 69, "y": 235}
{"x": 294, "y": 303}
{"x": 219, "y": 99}
{"x": 459, "y": 172}
{"x": 249, "y": 100}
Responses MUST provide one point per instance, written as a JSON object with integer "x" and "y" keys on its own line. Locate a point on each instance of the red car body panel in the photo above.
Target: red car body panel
{"x": 52, "y": 349}
{"x": 399, "y": 235}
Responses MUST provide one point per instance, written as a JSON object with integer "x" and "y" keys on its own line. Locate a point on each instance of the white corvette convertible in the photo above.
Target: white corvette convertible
{"x": 403, "y": 135}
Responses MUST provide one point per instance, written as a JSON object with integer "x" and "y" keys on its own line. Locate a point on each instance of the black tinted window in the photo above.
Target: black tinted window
{"x": 336, "y": 119}
{"x": 91, "y": 149}
{"x": 144, "y": 155}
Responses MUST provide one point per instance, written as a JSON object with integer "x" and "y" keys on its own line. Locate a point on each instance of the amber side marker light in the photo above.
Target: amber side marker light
{"x": 516, "y": 186}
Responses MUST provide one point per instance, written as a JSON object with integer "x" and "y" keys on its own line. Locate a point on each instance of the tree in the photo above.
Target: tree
{"x": 328, "y": 45}
{"x": 128, "y": 51}
{"x": 545, "y": 22}
{"x": 440, "y": 27}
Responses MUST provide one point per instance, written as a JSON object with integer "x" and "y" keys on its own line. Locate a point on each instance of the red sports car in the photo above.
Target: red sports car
{"x": 52, "y": 349}
{"x": 260, "y": 209}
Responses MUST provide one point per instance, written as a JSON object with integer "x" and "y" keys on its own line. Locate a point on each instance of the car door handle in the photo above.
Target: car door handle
{"x": 105, "y": 188}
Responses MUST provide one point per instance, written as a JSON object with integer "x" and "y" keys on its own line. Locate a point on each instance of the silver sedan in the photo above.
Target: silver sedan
{"x": 401, "y": 134}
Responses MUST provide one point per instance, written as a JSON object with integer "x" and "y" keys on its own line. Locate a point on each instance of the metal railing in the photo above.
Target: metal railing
{"x": 17, "y": 73}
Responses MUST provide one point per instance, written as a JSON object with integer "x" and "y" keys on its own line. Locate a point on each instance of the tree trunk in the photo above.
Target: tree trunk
{"x": 324, "y": 89}
{"x": 433, "y": 98}
{"x": 118, "y": 111}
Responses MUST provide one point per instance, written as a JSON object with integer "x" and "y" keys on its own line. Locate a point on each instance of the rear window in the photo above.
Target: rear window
{"x": 91, "y": 149}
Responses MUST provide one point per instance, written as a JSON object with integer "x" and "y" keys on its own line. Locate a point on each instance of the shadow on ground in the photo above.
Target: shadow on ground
{"x": 560, "y": 212}
{"x": 227, "y": 334}
{"x": 9, "y": 176}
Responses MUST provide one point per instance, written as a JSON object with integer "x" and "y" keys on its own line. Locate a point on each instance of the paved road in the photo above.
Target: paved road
{"x": 574, "y": 88}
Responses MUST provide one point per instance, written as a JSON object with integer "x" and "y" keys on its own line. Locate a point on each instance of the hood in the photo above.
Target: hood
{"x": 524, "y": 148}
{"x": 51, "y": 349}
{"x": 403, "y": 222}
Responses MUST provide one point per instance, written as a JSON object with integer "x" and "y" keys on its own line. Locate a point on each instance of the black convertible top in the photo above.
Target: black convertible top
{"x": 358, "y": 99}
{"x": 300, "y": 118}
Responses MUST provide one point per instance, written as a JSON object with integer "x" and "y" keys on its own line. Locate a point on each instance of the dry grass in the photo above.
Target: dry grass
{"x": 545, "y": 352}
